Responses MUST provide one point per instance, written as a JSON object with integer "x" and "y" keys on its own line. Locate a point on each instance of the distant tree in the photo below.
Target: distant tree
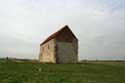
{"x": 7, "y": 58}
{"x": 85, "y": 60}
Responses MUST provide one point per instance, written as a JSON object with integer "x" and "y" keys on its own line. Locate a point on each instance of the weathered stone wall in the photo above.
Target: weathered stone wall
{"x": 47, "y": 52}
{"x": 67, "y": 52}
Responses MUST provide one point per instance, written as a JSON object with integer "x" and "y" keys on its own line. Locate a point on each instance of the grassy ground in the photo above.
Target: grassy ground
{"x": 12, "y": 72}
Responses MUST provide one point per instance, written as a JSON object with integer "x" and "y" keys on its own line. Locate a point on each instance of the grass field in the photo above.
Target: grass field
{"x": 12, "y": 72}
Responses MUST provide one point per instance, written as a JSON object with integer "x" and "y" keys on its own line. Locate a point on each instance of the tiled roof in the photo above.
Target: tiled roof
{"x": 56, "y": 34}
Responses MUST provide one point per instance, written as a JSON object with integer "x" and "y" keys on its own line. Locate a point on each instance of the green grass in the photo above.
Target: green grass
{"x": 12, "y": 72}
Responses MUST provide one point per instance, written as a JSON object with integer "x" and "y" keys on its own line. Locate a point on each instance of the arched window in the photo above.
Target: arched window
{"x": 42, "y": 49}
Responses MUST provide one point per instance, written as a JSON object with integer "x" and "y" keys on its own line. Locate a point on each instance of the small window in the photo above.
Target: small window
{"x": 48, "y": 46}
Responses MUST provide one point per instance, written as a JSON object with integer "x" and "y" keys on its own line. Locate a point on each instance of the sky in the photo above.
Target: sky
{"x": 98, "y": 24}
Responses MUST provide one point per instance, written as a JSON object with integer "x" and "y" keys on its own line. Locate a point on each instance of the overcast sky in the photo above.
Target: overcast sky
{"x": 98, "y": 24}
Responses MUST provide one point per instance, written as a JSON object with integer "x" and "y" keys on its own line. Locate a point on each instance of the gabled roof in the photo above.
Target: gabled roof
{"x": 56, "y": 34}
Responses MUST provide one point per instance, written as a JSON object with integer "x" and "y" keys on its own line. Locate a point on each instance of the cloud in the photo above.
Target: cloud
{"x": 99, "y": 26}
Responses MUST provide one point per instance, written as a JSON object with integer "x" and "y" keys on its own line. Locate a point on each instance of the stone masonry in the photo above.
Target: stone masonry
{"x": 61, "y": 47}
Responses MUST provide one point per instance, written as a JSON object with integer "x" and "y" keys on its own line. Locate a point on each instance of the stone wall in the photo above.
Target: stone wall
{"x": 67, "y": 52}
{"x": 47, "y": 52}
